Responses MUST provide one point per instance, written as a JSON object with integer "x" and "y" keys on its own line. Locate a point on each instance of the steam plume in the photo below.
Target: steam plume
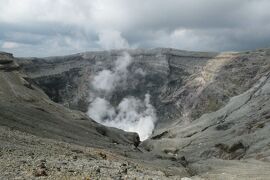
{"x": 131, "y": 114}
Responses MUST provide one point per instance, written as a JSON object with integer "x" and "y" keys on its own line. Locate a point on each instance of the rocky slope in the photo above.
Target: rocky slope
{"x": 213, "y": 110}
{"x": 25, "y": 156}
{"x": 29, "y": 121}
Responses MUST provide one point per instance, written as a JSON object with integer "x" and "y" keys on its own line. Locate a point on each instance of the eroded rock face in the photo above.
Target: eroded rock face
{"x": 7, "y": 63}
{"x": 183, "y": 85}
{"x": 25, "y": 107}
{"x": 237, "y": 131}
{"x": 161, "y": 72}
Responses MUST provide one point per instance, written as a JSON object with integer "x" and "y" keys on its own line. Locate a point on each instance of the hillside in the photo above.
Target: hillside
{"x": 211, "y": 111}
{"x": 41, "y": 138}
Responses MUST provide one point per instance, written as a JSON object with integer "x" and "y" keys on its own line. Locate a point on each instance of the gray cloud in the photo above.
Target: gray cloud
{"x": 56, "y": 27}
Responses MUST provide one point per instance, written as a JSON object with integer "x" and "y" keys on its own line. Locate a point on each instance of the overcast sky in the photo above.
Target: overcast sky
{"x": 58, "y": 27}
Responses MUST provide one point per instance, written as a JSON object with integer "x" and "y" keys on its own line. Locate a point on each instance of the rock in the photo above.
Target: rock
{"x": 75, "y": 158}
{"x": 42, "y": 165}
{"x": 6, "y": 58}
{"x": 77, "y": 151}
{"x": 9, "y": 67}
{"x": 98, "y": 170}
{"x": 124, "y": 170}
{"x": 40, "y": 172}
{"x": 104, "y": 156}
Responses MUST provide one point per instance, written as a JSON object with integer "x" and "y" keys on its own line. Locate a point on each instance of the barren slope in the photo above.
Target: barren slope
{"x": 213, "y": 108}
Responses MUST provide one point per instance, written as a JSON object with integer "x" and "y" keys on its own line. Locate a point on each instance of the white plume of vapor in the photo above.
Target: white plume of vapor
{"x": 131, "y": 114}
{"x": 101, "y": 109}
{"x": 106, "y": 80}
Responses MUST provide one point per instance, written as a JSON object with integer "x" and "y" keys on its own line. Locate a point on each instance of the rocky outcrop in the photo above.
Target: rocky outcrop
{"x": 7, "y": 63}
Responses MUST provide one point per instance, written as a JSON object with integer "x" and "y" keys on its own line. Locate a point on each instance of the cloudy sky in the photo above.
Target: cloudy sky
{"x": 58, "y": 27}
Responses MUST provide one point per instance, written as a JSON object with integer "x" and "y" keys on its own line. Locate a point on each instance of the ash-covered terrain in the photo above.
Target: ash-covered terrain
{"x": 201, "y": 115}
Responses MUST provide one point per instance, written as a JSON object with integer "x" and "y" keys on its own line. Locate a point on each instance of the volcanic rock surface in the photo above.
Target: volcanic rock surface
{"x": 213, "y": 114}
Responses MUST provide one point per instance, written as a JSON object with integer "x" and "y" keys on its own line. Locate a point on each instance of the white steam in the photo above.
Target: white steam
{"x": 131, "y": 114}
{"x": 107, "y": 80}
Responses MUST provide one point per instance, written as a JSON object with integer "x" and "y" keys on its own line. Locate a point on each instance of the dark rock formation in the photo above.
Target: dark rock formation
{"x": 7, "y": 63}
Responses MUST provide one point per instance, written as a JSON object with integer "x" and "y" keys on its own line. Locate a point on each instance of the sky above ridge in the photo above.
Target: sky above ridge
{"x": 59, "y": 27}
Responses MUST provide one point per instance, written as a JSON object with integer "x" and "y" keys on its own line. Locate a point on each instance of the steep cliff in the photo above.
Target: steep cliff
{"x": 183, "y": 85}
